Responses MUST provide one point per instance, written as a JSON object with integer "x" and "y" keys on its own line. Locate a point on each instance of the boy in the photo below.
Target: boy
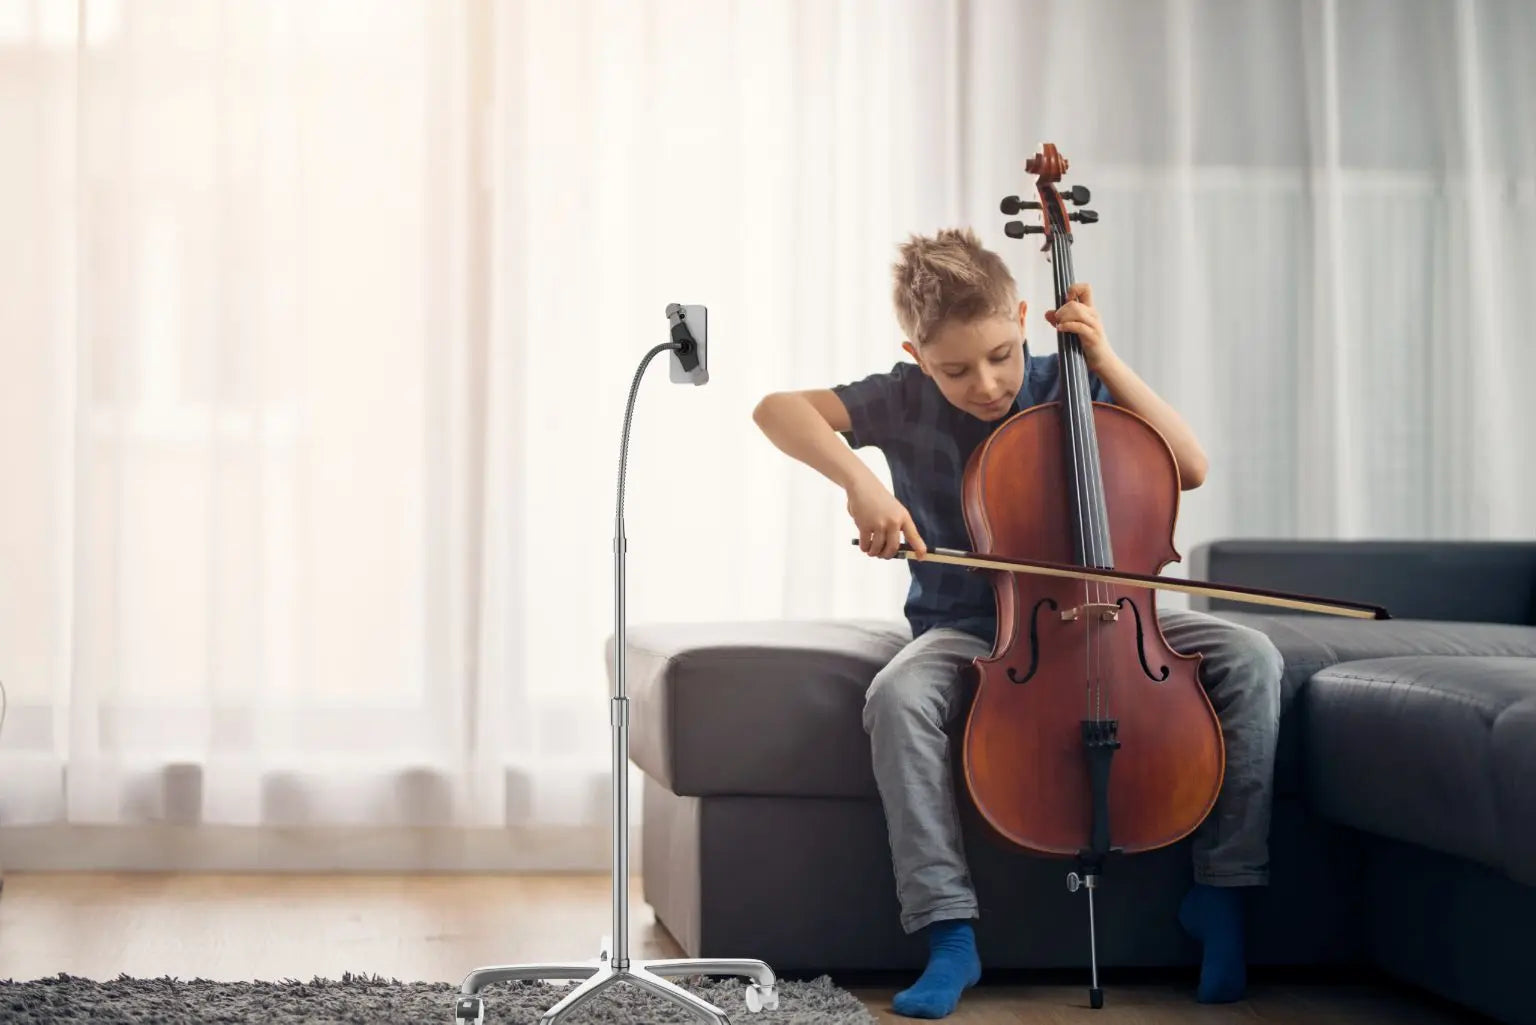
{"x": 956, "y": 302}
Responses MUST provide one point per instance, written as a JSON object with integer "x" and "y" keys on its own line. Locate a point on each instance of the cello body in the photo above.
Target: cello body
{"x": 1027, "y": 765}
{"x": 1088, "y": 735}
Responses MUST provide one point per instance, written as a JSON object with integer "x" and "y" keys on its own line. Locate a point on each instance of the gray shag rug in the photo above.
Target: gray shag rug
{"x": 370, "y": 1000}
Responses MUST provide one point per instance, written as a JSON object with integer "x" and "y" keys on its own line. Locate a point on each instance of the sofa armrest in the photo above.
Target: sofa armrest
{"x": 1463, "y": 581}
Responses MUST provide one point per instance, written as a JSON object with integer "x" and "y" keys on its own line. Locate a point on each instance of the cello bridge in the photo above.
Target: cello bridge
{"x": 1106, "y": 611}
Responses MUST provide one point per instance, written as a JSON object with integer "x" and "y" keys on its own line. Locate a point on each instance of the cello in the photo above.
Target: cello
{"x": 1088, "y": 735}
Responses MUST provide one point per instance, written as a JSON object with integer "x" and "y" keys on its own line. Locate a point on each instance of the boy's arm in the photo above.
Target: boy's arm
{"x": 1136, "y": 395}
{"x": 806, "y": 425}
{"x": 1078, "y": 316}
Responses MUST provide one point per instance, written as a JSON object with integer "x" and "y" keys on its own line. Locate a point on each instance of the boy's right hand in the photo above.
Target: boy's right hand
{"x": 882, "y": 521}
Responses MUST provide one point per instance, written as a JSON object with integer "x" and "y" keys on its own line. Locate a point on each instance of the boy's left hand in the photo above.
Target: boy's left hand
{"x": 1078, "y": 316}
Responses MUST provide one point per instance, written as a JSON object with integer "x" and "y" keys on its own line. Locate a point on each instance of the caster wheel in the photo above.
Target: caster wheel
{"x": 469, "y": 1009}
{"x": 760, "y": 999}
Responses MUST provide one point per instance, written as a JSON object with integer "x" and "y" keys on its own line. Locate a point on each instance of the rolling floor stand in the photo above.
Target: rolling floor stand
{"x": 613, "y": 966}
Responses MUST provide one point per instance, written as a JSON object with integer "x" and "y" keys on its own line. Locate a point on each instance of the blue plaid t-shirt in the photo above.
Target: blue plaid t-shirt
{"x": 926, "y": 442}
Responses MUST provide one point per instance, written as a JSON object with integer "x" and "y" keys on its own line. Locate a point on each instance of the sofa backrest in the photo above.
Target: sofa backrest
{"x": 1467, "y": 581}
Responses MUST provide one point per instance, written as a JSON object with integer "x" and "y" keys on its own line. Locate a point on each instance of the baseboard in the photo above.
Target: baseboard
{"x": 257, "y": 849}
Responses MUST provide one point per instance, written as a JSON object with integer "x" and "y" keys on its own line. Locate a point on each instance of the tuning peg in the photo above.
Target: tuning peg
{"x": 1018, "y": 229}
{"x": 1076, "y": 194}
{"x": 1013, "y": 204}
{"x": 1085, "y": 216}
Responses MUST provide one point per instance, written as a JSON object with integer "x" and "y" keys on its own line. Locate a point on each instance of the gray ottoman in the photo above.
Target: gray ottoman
{"x": 1431, "y": 760}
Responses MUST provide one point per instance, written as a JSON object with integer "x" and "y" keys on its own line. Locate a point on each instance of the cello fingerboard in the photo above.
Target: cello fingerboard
{"x": 1090, "y": 512}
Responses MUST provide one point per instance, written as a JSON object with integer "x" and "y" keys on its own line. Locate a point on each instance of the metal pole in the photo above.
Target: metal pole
{"x": 619, "y": 715}
{"x": 613, "y": 966}
{"x": 620, "y": 724}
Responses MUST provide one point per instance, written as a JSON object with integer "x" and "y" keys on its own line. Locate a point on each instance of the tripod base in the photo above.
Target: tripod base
{"x": 599, "y": 975}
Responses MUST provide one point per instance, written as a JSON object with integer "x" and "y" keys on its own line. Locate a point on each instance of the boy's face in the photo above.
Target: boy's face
{"x": 978, "y": 365}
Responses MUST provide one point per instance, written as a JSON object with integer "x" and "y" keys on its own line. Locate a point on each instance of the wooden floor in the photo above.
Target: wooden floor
{"x": 436, "y": 928}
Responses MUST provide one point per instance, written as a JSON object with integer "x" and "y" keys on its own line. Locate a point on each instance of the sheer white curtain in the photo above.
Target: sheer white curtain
{"x": 320, "y": 322}
{"x": 1317, "y": 239}
{"x": 319, "y": 319}
{"x": 238, "y": 371}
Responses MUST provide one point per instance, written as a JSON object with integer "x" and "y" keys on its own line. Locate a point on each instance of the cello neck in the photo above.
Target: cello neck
{"x": 1089, "y": 511}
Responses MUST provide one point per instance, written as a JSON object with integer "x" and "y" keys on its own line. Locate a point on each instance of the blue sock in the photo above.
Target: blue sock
{"x": 953, "y": 965}
{"x": 1214, "y": 916}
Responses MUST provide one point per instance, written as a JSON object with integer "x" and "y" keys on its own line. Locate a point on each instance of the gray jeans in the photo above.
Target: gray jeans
{"x": 922, "y": 691}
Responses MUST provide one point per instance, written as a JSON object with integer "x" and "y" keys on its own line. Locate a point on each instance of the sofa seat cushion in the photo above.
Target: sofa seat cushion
{"x": 775, "y": 708}
{"x": 1310, "y": 643}
{"x": 772, "y": 708}
{"x": 1437, "y": 750}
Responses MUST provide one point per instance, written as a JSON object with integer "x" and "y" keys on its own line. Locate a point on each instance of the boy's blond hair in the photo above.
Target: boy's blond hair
{"x": 949, "y": 276}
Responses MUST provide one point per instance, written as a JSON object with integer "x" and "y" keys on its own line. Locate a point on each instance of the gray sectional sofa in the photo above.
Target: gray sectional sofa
{"x": 1404, "y": 834}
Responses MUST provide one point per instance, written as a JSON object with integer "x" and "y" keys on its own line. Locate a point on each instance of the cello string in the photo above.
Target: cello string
{"x": 1100, "y": 526}
{"x": 1105, "y": 554}
{"x": 1071, "y": 396}
{"x": 1090, "y": 469}
{"x": 1078, "y": 433}
{"x": 1075, "y": 381}
{"x": 1074, "y": 437}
